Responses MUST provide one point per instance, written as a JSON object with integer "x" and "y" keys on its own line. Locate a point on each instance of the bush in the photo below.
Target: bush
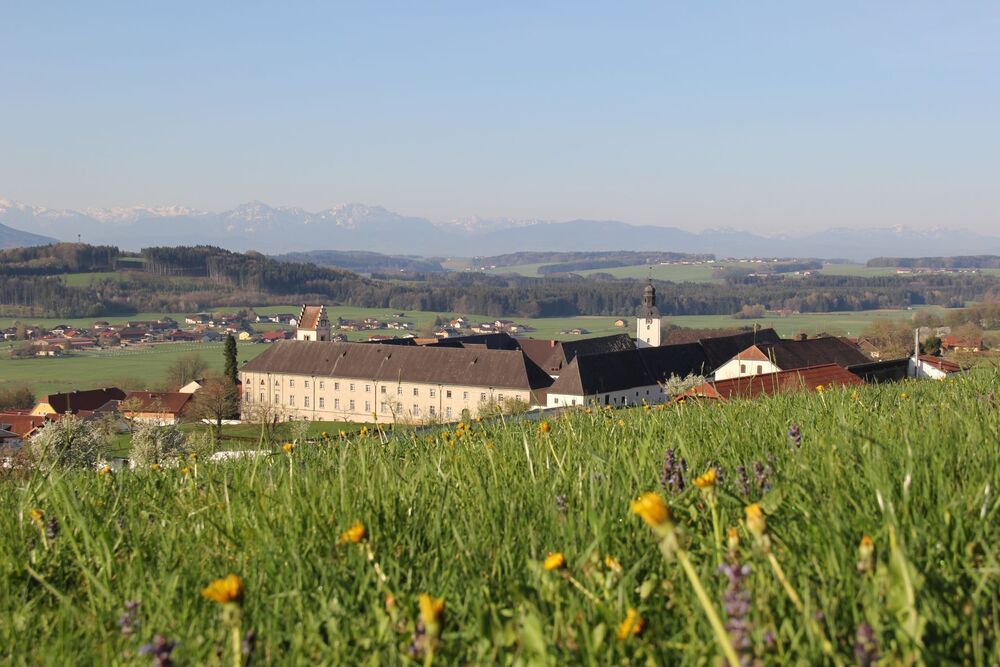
{"x": 68, "y": 443}
{"x": 153, "y": 444}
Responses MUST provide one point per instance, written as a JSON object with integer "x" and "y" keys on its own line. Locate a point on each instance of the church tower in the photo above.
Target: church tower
{"x": 313, "y": 324}
{"x": 647, "y": 324}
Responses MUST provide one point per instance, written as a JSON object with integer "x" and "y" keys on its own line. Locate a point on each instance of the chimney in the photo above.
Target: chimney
{"x": 552, "y": 343}
{"x": 803, "y": 336}
{"x": 916, "y": 344}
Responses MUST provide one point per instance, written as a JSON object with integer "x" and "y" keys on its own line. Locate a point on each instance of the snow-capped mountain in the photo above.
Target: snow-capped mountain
{"x": 282, "y": 229}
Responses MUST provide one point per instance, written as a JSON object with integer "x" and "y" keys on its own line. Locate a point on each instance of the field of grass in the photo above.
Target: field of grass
{"x": 472, "y": 519}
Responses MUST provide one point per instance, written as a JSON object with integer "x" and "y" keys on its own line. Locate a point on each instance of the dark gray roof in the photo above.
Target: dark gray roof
{"x": 720, "y": 349}
{"x": 593, "y": 374}
{"x": 399, "y": 363}
{"x": 791, "y": 354}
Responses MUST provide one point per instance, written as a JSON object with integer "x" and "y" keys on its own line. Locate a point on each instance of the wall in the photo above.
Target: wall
{"x": 731, "y": 369}
{"x": 651, "y": 395}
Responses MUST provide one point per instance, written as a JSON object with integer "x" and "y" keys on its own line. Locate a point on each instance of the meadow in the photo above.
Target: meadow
{"x": 870, "y": 531}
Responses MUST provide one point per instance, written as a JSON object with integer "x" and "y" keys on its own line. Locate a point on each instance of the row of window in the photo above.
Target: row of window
{"x": 383, "y": 389}
{"x": 352, "y": 406}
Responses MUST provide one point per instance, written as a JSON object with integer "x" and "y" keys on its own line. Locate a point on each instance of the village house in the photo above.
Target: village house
{"x": 75, "y": 402}
{"x": 958, "y": 344}
{"x": 155, "y": 407}
{"x": 386, "y": 383}
{"x": 925, "y": 366}
{"x": 784, "y": 355}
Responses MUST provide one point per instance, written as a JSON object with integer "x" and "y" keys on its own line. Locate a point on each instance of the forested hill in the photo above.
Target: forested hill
{"x": 960, "y": 262}
{"x": 69, "y": 280}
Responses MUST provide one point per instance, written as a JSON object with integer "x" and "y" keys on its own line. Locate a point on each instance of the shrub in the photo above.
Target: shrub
{"x": 68, "y": 443}
{"x": 153, "y": 444}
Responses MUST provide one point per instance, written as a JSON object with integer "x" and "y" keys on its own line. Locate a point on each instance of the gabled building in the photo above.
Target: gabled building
{"x": 365, "y": 382}
{"x": 75, "y": 402}
{"x": 925, "y": 366}
{"x": 156, "y": 407}
{"x": 786, "y": 355}
{"x": 313, "y": 324}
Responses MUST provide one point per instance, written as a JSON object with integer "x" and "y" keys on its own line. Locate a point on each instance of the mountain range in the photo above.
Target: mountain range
{"x": 285, "y": 229}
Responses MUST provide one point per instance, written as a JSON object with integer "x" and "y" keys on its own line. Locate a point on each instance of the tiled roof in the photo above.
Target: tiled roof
{"x": 169, "y": 402}
{"x": 791, "y": 354}
{"x": 943, "y": 365}
{"x": 775, "y": 383}
{"x": 21, "y": 424}
{"x": 76, "y": 401}
{"x": 588, "y": 375}
{"x": 310, "y": 316}
{"x": 402, "y": 363}
{"x": 720, "y": 349}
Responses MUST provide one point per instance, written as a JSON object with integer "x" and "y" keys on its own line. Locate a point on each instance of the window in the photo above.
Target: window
{"x": 433, "y": 393}
{"x": 351, "y": 387}
{"x": 500, "y": 397}
{"x": 482, "y": 396}
{"x": 399, "y": 391}
{"x": 368, "y": 388}
{"x": 352, "y": 405}
{"x": 307, "y": 384}
{"x": 743, "y": 368}
{"x": 760, "y": 369}
{"x": 368, "y": 406}
{"x": 465, "y": 395}
{"x": 322, "y": 402}
{"x": 277, "y": 384}
{"x": 305, "y": 402}
{"x": 277, "y": 399}
{"x": 262, "y": 382}
{"x": 416, "y": 410}
{"x": 321, "y": 383}
{"x": 382, "y": 388}
{"x": 291, "y": 383}
{"x": 291, "y": 401}
{"x": 430, "y": 411}
{"x": 447, "y": 394}
{"x": 336, "y": 386}
{"x": 385, "y": 407}
{"x": 416, "y": 391}
{"x": 248, "y": 397}
{"x": 447, "y": 413}
{"x": 261, "y": 397}
{"x": 336, "y": 404}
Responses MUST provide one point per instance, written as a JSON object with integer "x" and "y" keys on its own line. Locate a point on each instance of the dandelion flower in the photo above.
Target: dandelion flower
{"x": 37, "y": 515}
{"x": 633, "y": 625}
{"x": 431, "y": 609}
{"x": 185, "y": 470}
{"x": 354, "y": 535}
{"x": 904, "y": 396}
{"x": 613, "y": 564}
{"x": 288, "y": 448}
{"x": 706, "y": 481}
{"x": 155, "y": 466}
{"x": 756, "y": 523}
{"x": 866, "y": 549}
{"x": 554, "y": 561}
{"x": 652, "y": 509}
{"x": 225, "y": 591}
{"x": 544, "y": 427}
{"x": 105, "y": 471}
{"x": 733, "y": 538}
{"x": 820, "y": 388}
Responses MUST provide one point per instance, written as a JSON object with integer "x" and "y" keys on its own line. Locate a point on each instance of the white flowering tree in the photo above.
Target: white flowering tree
{"x": 152, "y": 443}
{"x": 69, "y": 443}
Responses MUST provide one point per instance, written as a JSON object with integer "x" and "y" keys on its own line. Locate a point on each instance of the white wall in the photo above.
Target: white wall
{"x": 651, "y": 394}
{"x": 647, "y": 332}
{"x": 735, "y": 368}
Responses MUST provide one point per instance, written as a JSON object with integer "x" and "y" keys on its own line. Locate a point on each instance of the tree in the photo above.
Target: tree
{"x": 270, "y": 419}
{"x": 16, "y": 397}
{"x": 186, "y": 368}
{"x": 215, "y": 401}
{"x": 152, "y": 443}
{"x": 232, "y": 370}
{"x": 69, "y": 442}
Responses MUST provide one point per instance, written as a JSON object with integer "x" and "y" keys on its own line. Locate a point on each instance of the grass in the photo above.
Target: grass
{"x": 470, "y": 519}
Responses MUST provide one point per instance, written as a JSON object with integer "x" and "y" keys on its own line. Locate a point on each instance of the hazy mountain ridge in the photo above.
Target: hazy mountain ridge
{"x": 283, "y": 229}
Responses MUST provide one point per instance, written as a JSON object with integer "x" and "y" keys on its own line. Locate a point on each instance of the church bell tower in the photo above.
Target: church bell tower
{"x": 647, "y": 324}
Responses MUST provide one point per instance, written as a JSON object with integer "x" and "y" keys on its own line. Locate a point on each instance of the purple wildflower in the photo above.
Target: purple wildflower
{"x": 249, "y": 645}
{"x": 561, "y": 503}
{"x": 416, "y": 648}
{"x": 160, "y": 649}
{"x": 129, "y": 621}
{"x": 672, "y": 475}
{"x": 866, "y": 646}
{"x": 794, "y": 436}
{"x": 52, "y": 528}
{"x": 737, "y": 606}
{"x": 744, "y": 481}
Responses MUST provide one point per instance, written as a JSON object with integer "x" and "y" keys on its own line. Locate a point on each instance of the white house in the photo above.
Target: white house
{"x": 787, "y": 355}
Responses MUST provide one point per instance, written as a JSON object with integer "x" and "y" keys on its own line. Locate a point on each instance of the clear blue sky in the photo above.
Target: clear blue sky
{"x": 753, "y": 115}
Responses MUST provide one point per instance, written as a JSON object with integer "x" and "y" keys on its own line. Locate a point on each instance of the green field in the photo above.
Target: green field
{"x": 471, "y": 520}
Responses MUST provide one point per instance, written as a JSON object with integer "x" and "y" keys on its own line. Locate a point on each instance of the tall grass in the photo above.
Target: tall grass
{"x": 470, "y": 517}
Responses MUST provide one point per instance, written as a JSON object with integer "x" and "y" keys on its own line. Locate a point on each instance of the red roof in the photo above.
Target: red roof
{"x": 20, "y": 423}
{"x": 276, "y": 335}
{"x": 310, "y": 317}
{"x": 776, "y": 383}
{"x": 943, "y": 365}
{"x": 165, "y": 402}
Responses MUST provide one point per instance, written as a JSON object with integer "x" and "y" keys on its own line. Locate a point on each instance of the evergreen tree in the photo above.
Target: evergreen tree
{"x": 232, "y": 370}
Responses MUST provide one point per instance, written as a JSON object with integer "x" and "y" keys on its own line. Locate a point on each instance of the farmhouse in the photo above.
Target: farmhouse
{"x": 156, "y": 407}
{"x": 384, "y": 383}
{"x": 75, "y": 402}
{"x": 784, "y": 355}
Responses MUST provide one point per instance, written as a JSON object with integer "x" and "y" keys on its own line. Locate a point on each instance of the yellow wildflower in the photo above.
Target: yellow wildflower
{"x": 155, "y": 466}
{"x": 706, "y": 481}
{"x": 854, "y": 395}
{"x": 819, "y": 388}
{"x": 904, "y": 396}
{"x": 37, "y": 515}
{"x": 633, "y": 625}
{"x": 554, "y": 561}
{"x": 544, "y": 427}
{"x": 185, "y": 470}
{"x": 613, "y": 564}
{"x": 733, "y": 538}
{"x": 652, "y": 509}
{"x": 354, "y": 534}
{"x": 105, "y": 471}
{"x": 866, "y": 549}
{"x": 225, "y": 591}
{"x": 288, "y": 448}
{"x": 756, "y": 523}
{"x": 621, "y": 422}
{"x": 431, "y": 609}
{"x": 325, "y": 435}
{"x": 193, "y": 456}
{"x": 343, "y": 434}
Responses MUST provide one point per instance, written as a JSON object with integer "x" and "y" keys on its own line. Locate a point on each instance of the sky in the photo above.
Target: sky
{"x": 762, "y": 116}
